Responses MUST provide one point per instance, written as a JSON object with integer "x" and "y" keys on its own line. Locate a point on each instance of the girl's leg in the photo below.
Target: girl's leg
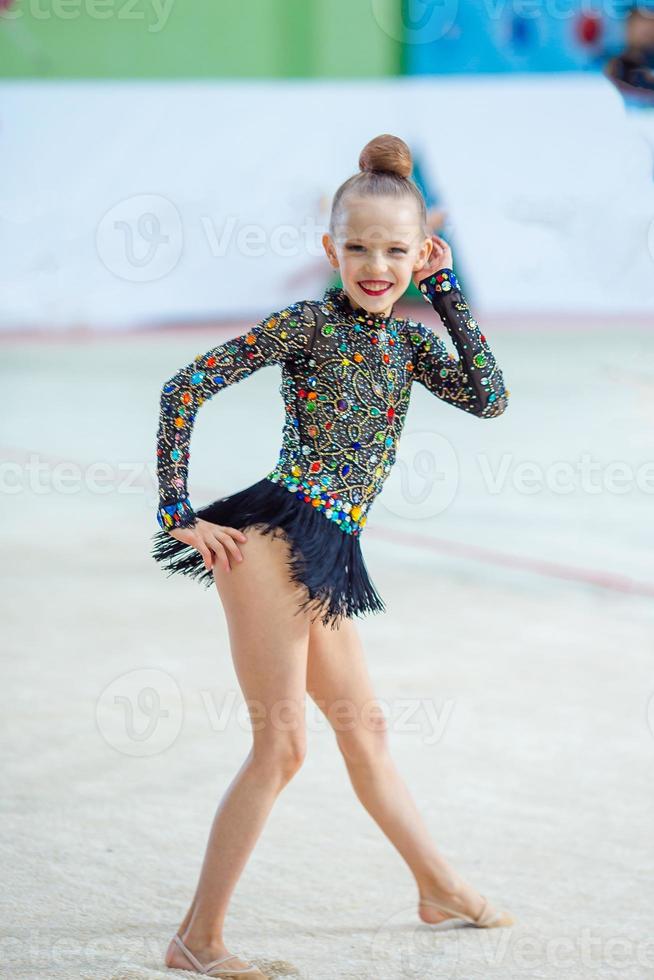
{"x": 339, "y": 683}
{"x": 269, "y": 646}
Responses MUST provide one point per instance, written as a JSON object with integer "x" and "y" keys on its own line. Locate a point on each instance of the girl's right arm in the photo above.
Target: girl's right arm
{"x": 272, "y": 341}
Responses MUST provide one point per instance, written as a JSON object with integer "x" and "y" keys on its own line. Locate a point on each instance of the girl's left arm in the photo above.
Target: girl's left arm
{"x": 473, "y": 382}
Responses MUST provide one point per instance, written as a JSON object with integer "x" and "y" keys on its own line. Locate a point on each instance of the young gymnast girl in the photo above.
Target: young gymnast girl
{"x": 293, "y": 584}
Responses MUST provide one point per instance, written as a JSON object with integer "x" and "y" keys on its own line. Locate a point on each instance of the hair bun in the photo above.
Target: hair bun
{"x": 386, "y": 154}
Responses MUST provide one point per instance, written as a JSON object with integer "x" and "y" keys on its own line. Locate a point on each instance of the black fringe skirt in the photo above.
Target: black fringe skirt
{"x": 326, "y": 560}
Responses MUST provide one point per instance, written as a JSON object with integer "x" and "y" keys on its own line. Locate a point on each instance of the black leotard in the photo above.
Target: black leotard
{"x": 346, "y": 383}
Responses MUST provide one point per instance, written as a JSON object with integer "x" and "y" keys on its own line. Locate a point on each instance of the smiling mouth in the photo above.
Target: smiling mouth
{"x": 375, "y": 287}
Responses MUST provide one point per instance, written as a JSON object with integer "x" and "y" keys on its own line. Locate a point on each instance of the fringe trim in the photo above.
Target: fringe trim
{"x": 328, "y": 562}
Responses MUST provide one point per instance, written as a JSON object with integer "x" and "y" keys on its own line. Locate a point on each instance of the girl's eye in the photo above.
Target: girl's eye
{"x": 395, "y": 248}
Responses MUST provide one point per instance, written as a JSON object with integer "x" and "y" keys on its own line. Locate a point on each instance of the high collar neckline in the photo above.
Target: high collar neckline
{"x": 341, "y": 301}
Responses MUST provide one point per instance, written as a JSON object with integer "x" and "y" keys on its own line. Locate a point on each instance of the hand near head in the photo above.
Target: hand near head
{"x": 440, "y": 258}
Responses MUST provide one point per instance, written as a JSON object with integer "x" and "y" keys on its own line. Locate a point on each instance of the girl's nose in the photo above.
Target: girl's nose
{"x": 377, "y": 266}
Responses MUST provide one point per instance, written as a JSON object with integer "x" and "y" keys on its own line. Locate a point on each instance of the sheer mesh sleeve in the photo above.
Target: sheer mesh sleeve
{"x": 274, "y": 340}
{"x": 473, "y": 381}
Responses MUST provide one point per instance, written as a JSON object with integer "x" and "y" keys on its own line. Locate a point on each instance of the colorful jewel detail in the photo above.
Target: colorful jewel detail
{"x": 346, "y": 382}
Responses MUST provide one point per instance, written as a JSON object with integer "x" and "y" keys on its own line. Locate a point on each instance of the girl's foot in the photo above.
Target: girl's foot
{"x": 459, "y": 898}
{"x": 205, "y": 953}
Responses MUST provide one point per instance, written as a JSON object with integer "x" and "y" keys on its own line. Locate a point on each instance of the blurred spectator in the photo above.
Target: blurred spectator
{"x": 633, "y": 69}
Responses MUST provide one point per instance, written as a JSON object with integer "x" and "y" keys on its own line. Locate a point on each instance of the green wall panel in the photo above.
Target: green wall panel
{"x": 357, "y": 38}
{"x": 200, "y": 39}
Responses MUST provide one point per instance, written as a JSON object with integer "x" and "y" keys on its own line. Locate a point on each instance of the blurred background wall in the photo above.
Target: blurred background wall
{"x": 303, "y": 38}
{"x": 164, "y": 162}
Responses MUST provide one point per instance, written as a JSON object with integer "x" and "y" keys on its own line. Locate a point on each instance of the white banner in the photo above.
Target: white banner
{"x": 134, "y": 203}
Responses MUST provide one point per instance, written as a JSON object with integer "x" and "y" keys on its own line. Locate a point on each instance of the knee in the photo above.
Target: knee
{"x": 364, "y": 746}
{"x": 287, "y": 757}
{"x": 281, "y": 756}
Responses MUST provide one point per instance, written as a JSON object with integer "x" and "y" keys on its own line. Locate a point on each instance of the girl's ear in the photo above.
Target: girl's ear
{"x": 328, "y": 245}
{"x": 424, "y": 254}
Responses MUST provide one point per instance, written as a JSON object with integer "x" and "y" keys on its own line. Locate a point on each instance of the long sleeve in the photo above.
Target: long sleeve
{"x": 274, "y": 340}
{"x": 473, "y": 382}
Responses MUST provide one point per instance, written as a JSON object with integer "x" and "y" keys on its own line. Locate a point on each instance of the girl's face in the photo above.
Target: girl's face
{"x": 377, "y": 246}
